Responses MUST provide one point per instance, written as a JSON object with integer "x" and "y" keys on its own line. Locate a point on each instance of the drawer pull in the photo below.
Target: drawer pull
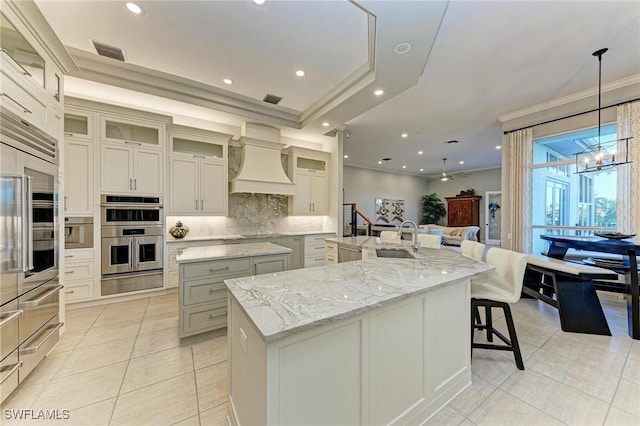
{"x": 68, "y": 256}
{"x": 69, "y": 292}
{"x": 16, "y": 102}
{"x": 212, "y": 316}
{"x": 69, "y": 272}
{"x": 319, "y": 248}
{"x": 9, "y": 317}
{"x": 35, "y": 302}
{"x": 224, "y": 268}
{"x": 35, "y": 348}
{"x": 12, "y": 369}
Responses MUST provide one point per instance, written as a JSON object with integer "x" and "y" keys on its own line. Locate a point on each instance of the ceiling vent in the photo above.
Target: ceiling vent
{"x": 332, "y": 133}
{"x": 109, "y": 51}
{"x": 272, "y": 99}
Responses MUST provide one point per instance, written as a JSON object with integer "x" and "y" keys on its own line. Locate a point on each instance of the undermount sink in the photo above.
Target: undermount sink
{"x": 394, "y": 253}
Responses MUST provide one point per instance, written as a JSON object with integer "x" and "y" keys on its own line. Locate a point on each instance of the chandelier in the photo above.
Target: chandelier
{"x": 603, "y": 155}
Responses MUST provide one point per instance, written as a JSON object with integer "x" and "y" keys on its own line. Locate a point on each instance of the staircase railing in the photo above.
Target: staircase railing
{"x": 350, "y": 216}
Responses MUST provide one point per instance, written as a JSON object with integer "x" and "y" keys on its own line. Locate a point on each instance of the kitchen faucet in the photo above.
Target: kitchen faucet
{"x": 416, "y": 243}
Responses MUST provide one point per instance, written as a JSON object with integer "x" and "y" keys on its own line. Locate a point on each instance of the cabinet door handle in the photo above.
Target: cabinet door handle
{"x": 201, "y": 204}
{"x": 130, "y": 183}
{"x": 24, "y": 71}
{"x": 132, "y": 143}
{"x": 16, "y": 102}
{"x": 68, "y": 134}
{"x": 199, "y": 156}
{"x": 135, "y": 184}
{"x": 225, "y": 268}
{"x": 66, "y": 204}
{"x": 196, "y": 204}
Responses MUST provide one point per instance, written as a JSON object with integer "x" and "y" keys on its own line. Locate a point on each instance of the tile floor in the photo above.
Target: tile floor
{"x": 122, "y": 364}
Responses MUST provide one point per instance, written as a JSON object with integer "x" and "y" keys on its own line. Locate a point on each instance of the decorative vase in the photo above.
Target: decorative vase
{"x": 178, "y": 230}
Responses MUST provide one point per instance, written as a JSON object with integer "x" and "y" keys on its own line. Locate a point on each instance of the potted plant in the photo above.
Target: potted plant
{"x": 432, "y": 209}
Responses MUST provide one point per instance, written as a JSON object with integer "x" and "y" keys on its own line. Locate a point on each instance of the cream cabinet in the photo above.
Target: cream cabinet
{"x": 308, "y": 169}
{"x": 78, "y": 124}
{"x": 172, "y": 250}
{"x": 126, "y": 170}
{"x": 78, "y": 182}
{"x": 331, "y": 252}
{"x": 314, "y": 249}
{"x": 197, "y": 172}
{"x": 79, "y": 274}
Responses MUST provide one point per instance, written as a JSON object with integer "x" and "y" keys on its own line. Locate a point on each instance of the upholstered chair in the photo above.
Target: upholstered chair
{"x": 472, "y": 249}
{"x": 430, "y": 241}
{"x": 389, "y": 236}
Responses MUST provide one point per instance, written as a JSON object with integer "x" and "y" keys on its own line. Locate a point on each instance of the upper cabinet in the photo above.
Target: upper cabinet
{"x": 308, "y": 169}
{"x": 78, "y": 124}
{"x": 132, "y": 132}
{"x": 198, "y": 176}
{"x": 31, "y": 72}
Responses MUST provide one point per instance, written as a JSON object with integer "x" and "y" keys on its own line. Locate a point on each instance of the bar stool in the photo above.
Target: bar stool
{"x": 430, "y": 241}
{"x": 389, "y": 236}
{"x": 472, "y": 249}
{"x": 497, "y": 289}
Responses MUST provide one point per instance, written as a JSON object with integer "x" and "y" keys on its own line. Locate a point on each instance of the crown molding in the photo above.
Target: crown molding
{"x": 618, "y": 84}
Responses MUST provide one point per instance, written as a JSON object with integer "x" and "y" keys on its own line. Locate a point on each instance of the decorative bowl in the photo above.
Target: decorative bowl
{"x": 178, "y": 230}
{"x": 614, "y": 235}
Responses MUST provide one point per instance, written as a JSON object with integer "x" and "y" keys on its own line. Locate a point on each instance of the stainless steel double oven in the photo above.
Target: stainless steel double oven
{"x": 29, "y": 249}
{"x": 132, "y": 243}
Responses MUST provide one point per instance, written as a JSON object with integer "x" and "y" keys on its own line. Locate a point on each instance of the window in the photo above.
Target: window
{"x": 565, "y": 202}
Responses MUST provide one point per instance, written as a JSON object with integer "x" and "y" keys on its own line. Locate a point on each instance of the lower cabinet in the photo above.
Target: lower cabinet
{"x": 203, "y": 294}
{"x": 314, "y": 249}
{"x": 79, "y": 277}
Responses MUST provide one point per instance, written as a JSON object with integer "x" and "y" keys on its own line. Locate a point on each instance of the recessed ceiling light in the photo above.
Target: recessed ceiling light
{"x": 402, "y": 48}
{"x": 227, "y": 81}
{"x": 379, "y": 162}
{"x": 498, "y": 147}
{"x": 422, "y": 170}
{"x": 419, "y": 152}
{"x": 325, "y": 124}
{"x": 404, "y": 167}
{"x": 346, "y": 156}
{"x": 404, "y": 135}
{"x": 378, "y": 92}
{"x": 134, "y": 8}
{"x": 259, "y": 2}
{"x": 462, "y": 162}
{"x": 300, "y": 73}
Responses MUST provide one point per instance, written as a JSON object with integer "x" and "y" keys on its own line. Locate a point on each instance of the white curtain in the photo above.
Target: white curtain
{"x": 520, "y": 159}
{"x": 628, "y": 204}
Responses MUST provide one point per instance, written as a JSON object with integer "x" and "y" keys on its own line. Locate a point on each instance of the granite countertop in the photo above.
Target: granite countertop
{"x": 289, "y": 302}
{"x": 169, "y": 239}
{"x": 198, "y": 254}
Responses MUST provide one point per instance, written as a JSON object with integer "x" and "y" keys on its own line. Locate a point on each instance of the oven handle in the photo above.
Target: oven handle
{"x": 12, "y": 316}
{"x": 35, "y": 302}
{"x": 36, "y": 348}
{"x": 27, "y": 225}
{"x": 12, "y": 369}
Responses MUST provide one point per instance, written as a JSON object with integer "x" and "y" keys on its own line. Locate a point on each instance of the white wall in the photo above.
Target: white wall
{"x": 363, "y": 186}
{"x": 481, "y": 181}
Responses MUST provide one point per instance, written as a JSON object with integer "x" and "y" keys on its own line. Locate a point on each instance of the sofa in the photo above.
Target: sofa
{"x": 453, "y": 235}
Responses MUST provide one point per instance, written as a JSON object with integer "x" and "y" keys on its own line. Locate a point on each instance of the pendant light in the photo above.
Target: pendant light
{"x": 603, "y": 155}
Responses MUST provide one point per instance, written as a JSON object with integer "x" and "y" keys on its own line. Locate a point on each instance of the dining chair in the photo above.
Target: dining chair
{"x": 390, "y": 236}
{"x": 430, "y": 241}
{"x": 497, "y": 289}
{"x": 472, "y": 249}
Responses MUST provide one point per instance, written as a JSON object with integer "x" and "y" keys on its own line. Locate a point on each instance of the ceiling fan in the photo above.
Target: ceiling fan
{"x": 444, "y": 176}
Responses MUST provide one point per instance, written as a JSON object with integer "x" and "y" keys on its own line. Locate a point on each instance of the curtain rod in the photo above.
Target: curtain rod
{"x": 506, "y": 132}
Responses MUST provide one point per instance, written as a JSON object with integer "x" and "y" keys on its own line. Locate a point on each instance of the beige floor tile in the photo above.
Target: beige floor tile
{"x": 82, "y": 389}
{"x": 503, "y": 409}
{"x": 209, "y": 352}
{"x": 98, "y": 335}
{"x": 628, "y": 397}
{"x": 48, "y": 368}
{"x": 159, "y": 322}
{"x": 162, "y": 305}
{"x": 156, "y": 341}
{"x": 91, "y": 313}
{"x": 122, "y": 312}
{"x": 24, "y": 397}
{"x": 69, "y": 340}
{"x": 216, "y": 416}
{"x": 157, "y": 367}
{"x": 634, "y": 353}
{"x": 445, "y": 417}
{"x": 473, "y": 396}
{"x": 631, "y": 371}
{"x": 191, "y": 421}
{"x": 590, "y": 381}
{"x": 97, "y": 414}
{"x": 212, "y": 385}
{"x": 90, "y": 357}
{"x": 558, "y": 400}
{"x": 491, "y": 366}
{"x": 165, "y": 403}
{"x": 619, "y": 417}
{"x": 467, "y": 422}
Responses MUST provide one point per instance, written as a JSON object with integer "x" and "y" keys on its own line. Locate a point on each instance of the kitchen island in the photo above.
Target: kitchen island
{"x": 373, "y": 341}
{"x": 203, "y": 296}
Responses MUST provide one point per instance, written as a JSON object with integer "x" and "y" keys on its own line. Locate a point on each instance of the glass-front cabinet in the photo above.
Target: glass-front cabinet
{"x": 138, "y": 133}
{"x": 18, "y": 50}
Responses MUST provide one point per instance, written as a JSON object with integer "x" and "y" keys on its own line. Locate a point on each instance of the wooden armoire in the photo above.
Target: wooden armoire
{"x": 464, "y": 211}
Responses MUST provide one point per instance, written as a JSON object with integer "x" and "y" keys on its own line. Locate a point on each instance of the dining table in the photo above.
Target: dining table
{"x": 627, "y": 248}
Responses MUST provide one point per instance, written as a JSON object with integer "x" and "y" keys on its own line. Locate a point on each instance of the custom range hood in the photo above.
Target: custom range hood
{"x": 261, "y": 170}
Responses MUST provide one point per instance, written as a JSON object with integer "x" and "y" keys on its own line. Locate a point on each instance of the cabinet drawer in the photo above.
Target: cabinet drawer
{"x": 313, "y": 261}
{"x": 80, "y": 291}
{"x": 219, "y": 268}
{"x": 77, "y": 255}
{"x": 78, "y": 271}
{"x": 204, "y": 290}
{"x": 315, "y": 239}
{"x": 204, "y": 318}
